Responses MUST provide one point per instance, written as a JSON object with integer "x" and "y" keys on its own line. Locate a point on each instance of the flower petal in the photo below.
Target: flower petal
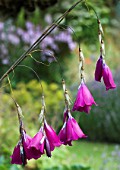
{"x": 108, "y": 78}
{"x": 98, "y": 70}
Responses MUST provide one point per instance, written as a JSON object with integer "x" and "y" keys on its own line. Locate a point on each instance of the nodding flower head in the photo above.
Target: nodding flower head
{"x": 70, "y": 130}
{"x": 98, "y": 70}
{"x": 108, "y": 78}
{"x": 36, "y": 146}
{"x": 46, "y": 139}
{"x": 84, "y": 99}
{"x": 52, "y": 140}
{"x": 20, "y": 153}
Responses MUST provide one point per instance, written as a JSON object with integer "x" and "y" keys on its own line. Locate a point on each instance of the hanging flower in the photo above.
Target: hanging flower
{"x": 98, "y": 70}
{"x": 52, "y": 139}
{"x": 84, "y": 99}
{"x": 70, "y": 130}
{"x": 107, "y": 78}
{"x": 46, "y": 139}
{"x": 20, "y": 153}
{"x": 36, "y": 146}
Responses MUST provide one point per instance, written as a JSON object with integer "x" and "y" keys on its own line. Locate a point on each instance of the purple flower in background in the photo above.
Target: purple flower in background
{"x": 18, "y": 36}
{"x": 20, "y": 31}
{"x": 29, "y": 25}
{"x": 48, "y": 18}
{"x": 70, "y": 130}
{"x": 98, "y": 70}
{"x": 84, "y": 99}
{"x": 1, "y": 26}
{"x": 14, "y": 39}
{"x": 36, "y": 146}
{"x": 20, "y": 153}
{"x": 107, "y": 78}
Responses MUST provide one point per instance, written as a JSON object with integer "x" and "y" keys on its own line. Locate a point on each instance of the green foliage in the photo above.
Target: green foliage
{"x": 73, "y": 167}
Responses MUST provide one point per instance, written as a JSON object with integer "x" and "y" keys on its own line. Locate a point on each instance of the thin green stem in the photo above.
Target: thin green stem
{"x": 36, "y": 76}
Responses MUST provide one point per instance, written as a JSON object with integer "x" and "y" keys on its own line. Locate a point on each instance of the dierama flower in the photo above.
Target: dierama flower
{"x": 20, "y": 153}
{"x": 52, "y": 140}
{"x": 70, "y": 131}
{"x": 36, "y": 146}
{"x": 84, "y": 99}
{"x": 107, "y": 77}
{"x": 46, "y": 139}
{"x": 98, "y": 70}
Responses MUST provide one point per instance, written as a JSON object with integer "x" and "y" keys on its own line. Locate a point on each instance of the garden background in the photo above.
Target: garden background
{"x": 20, "y": 26}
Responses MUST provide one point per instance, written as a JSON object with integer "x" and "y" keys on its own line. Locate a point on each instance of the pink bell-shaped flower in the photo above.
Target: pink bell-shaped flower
{"x": 36, "y": 146}
{"x": 70, "y": 131}
{"x": 108, "y": 78}
{"x": 16, "y": 156}
{"x": 46, "y": 139}
{"x": 52, "y": 140}
{"x": 20, "y": 153}
{"x": 84, "y": 99}
{"x": 98, "y": 70}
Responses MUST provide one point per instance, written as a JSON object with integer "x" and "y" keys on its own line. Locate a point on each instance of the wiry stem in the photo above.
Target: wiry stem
{"x": 40, "y": 39}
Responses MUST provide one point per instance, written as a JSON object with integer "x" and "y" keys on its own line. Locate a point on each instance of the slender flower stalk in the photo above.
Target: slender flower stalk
{"x": 20, "y": 153}
{"x": 81, "y": 64}
{"x": 84, "y": 99}
{"x": 45, "y": 140}
{"x": 70, "y": 130}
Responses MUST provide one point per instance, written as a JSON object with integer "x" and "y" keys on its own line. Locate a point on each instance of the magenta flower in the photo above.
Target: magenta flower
{"x": 70, "y": 131}
{"x": 45, "y": 139}
{"x": 84, "y": 99}
{"x": 107, "y": 78}
{"x": 52, "y": 140}
{"x": 98, "y": 70}
{"x": 16, "y": 156}
{"x": 20, "y": 153}
{"x": 36, "y": 146}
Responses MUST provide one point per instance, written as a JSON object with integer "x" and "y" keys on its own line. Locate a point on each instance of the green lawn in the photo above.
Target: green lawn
{"x": 98, "y": 156}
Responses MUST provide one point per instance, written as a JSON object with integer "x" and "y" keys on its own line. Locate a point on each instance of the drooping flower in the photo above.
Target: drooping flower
{"x": 98, "y": 70}
{"x": 46, "y": 139}
{"x": 108, "y": 78}
{"x": 52, "y": 140}
{"x": 20, "y": 153}
{"x": 70, "y": 131}
{"x": 84, "y": 99}
{"x": 36, "y": 146}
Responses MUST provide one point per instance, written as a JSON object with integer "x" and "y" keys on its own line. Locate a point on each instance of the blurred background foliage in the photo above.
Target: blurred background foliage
{"x": 20, "y": 25}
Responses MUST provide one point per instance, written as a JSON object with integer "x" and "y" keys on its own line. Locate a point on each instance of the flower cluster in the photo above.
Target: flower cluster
{"x": 44, "y": 141}
{"x": 46, "y": 138}
{"x": 20, "y": 153}
{"x": 102, "y": 69}
{"x": 70, "y": 130}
